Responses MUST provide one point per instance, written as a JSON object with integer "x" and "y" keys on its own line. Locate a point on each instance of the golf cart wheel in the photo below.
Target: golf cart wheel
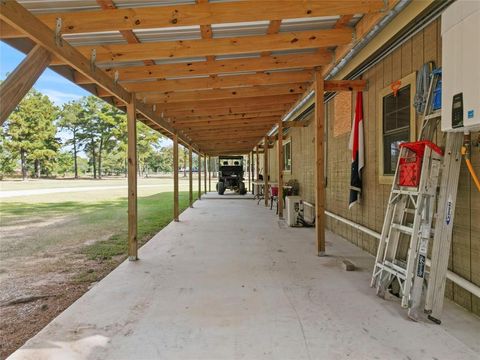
{"x": 221, "y": 188}
{"x": 242, "y": 189}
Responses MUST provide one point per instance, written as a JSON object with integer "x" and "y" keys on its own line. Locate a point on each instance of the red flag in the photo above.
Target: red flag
{"x": 357, "y": 146}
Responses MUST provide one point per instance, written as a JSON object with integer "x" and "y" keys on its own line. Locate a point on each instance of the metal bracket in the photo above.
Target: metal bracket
{"x": 58, "y": 32}
{"x": 354, "y": 35}
{"x": 115, "y": 77}
{"x": 93, "y": 59}
{"x": 145, "y": 100}
{"x": 385, "y": 6}
{"x": 154, "y": 107}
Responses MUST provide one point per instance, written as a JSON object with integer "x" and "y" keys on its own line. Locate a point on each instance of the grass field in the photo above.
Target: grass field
{"x": 54, "y": 245}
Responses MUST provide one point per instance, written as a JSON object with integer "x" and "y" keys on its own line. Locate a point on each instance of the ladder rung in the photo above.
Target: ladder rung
{"x": 405, "y": 192}
{"x": 433, "y": 115}
{"x": 402, "y": 228}
{"x": 393, "y": 269}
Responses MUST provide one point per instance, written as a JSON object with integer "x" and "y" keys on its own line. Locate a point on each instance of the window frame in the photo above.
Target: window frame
{"x": 285, "y": 143}
{"x": 409, "y": 80}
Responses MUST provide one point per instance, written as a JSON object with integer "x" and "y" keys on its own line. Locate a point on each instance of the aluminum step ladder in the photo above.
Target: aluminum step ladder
{"x": 409, "y": 216}
{"x": 410, "y": 213}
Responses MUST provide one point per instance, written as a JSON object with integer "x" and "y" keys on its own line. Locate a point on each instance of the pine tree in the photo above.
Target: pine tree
{"x": 30, "y": 132}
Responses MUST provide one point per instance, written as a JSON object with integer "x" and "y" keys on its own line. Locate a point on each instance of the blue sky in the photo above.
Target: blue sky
{"x": 58, "y": 89}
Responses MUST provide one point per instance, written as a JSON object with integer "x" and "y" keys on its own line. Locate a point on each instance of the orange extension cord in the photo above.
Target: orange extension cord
{"x": 470, "y": 168}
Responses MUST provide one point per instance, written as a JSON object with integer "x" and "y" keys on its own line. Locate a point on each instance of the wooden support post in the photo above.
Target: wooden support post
{"x": 252, "y": 173}
{"x": 199, "y": 176}
{"x": 190, "y": 177}
{"x": 175, "y": 178}
{"x": 21, "y": 80}
{"x": 249, "y": 164}
{"x": 209, "y": 173}
{"x": 319, "y": 164}
{"x": 205, "y": 173}
{"x": 257, "y": 170}
{"x": 132, "y": 180}
{"x": 280, "y": 168}
{"x": 265, "y": 171}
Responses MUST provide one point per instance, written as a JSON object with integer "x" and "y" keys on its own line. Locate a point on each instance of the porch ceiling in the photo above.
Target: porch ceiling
{"x": 218, "y": 73}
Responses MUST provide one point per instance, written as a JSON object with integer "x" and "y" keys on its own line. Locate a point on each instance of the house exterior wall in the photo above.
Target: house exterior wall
{"x": 465, "y": 251}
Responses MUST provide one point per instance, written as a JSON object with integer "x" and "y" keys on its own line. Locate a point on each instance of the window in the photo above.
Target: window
{"x": 287, "y": 156}
{"x": 397, "y": 125}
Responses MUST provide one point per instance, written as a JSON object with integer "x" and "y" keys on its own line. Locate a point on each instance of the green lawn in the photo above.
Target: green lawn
{"x": 98, "y": 228}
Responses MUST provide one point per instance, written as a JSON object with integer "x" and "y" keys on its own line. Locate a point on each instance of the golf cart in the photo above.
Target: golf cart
{"x": 230, "y": 174}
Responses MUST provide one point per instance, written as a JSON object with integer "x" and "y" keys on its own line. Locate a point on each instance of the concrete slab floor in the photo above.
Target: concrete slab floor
{"x": 230, "y": 281}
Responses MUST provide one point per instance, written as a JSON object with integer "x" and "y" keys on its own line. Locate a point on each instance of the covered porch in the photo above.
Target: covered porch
{"x": 230, "y": 281}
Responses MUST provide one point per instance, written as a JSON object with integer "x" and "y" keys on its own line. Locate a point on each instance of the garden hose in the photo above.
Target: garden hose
{"x": 466, "y": 154}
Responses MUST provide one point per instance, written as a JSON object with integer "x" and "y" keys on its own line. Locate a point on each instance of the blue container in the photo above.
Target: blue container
{"x": 437, "y": 96}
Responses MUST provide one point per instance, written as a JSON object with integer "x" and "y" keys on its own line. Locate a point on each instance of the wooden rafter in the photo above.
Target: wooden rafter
{"x": 252, "y": 92}
{"x": 128, "y": 35}
{"x": 222, "y": 46}
{"x": 220, "y": 82}
{"x": 280, "y": 62}
{"x": 199, "y": 14}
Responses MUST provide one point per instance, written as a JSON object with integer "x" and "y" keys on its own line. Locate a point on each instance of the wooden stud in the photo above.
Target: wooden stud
{"x": 209, "y": 174}
{"x": 265, "y": 173}
{"x": 132, "y": 181}
{"x": 252, "y": 171}
{"x": 319, "y": 164}
{"x": 21, "y": 80}
{"x": 190, "y": 176}
{"x": 175, "y": 178}
{"x": 280, "y": 168}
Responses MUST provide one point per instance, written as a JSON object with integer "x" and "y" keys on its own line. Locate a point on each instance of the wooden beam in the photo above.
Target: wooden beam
{"x": 234, "y": 104}
{"x": 219, "y": 46}
{"x": 280, "y": 168}
{"x": 21, "y": 80}
{"x": 199, "y": 14}
{"x": 293, "y": 124}
{"x": 202, "y": 68}
{"x": 229, "y": 137}
{"x": 265, "y": 172}
{"x": 233, "y": 113}
{"x": 190, "y": 176}
{"x": 132, "y": 180}
{"x": 319, "y": 164}
{"x": 345, "y": 85}
{"x": 221, "y": 123}
{"x": 176, "y": 211}
{"x": 251, "y": 92}
{"x": 220, "y": 82}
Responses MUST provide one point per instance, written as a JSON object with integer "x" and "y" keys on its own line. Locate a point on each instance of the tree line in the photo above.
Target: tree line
{"x": 83, "y": 137}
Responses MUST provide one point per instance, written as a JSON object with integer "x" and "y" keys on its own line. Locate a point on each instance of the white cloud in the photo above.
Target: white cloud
{"x": 60, "y": 97}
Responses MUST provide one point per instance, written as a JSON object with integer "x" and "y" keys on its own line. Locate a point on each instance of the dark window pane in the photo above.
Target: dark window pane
{"x": 403, "y": 97}
{"x": 389, "y": 122}
{"x": 403, "y": 118}
{"x": 391, "y": 150}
